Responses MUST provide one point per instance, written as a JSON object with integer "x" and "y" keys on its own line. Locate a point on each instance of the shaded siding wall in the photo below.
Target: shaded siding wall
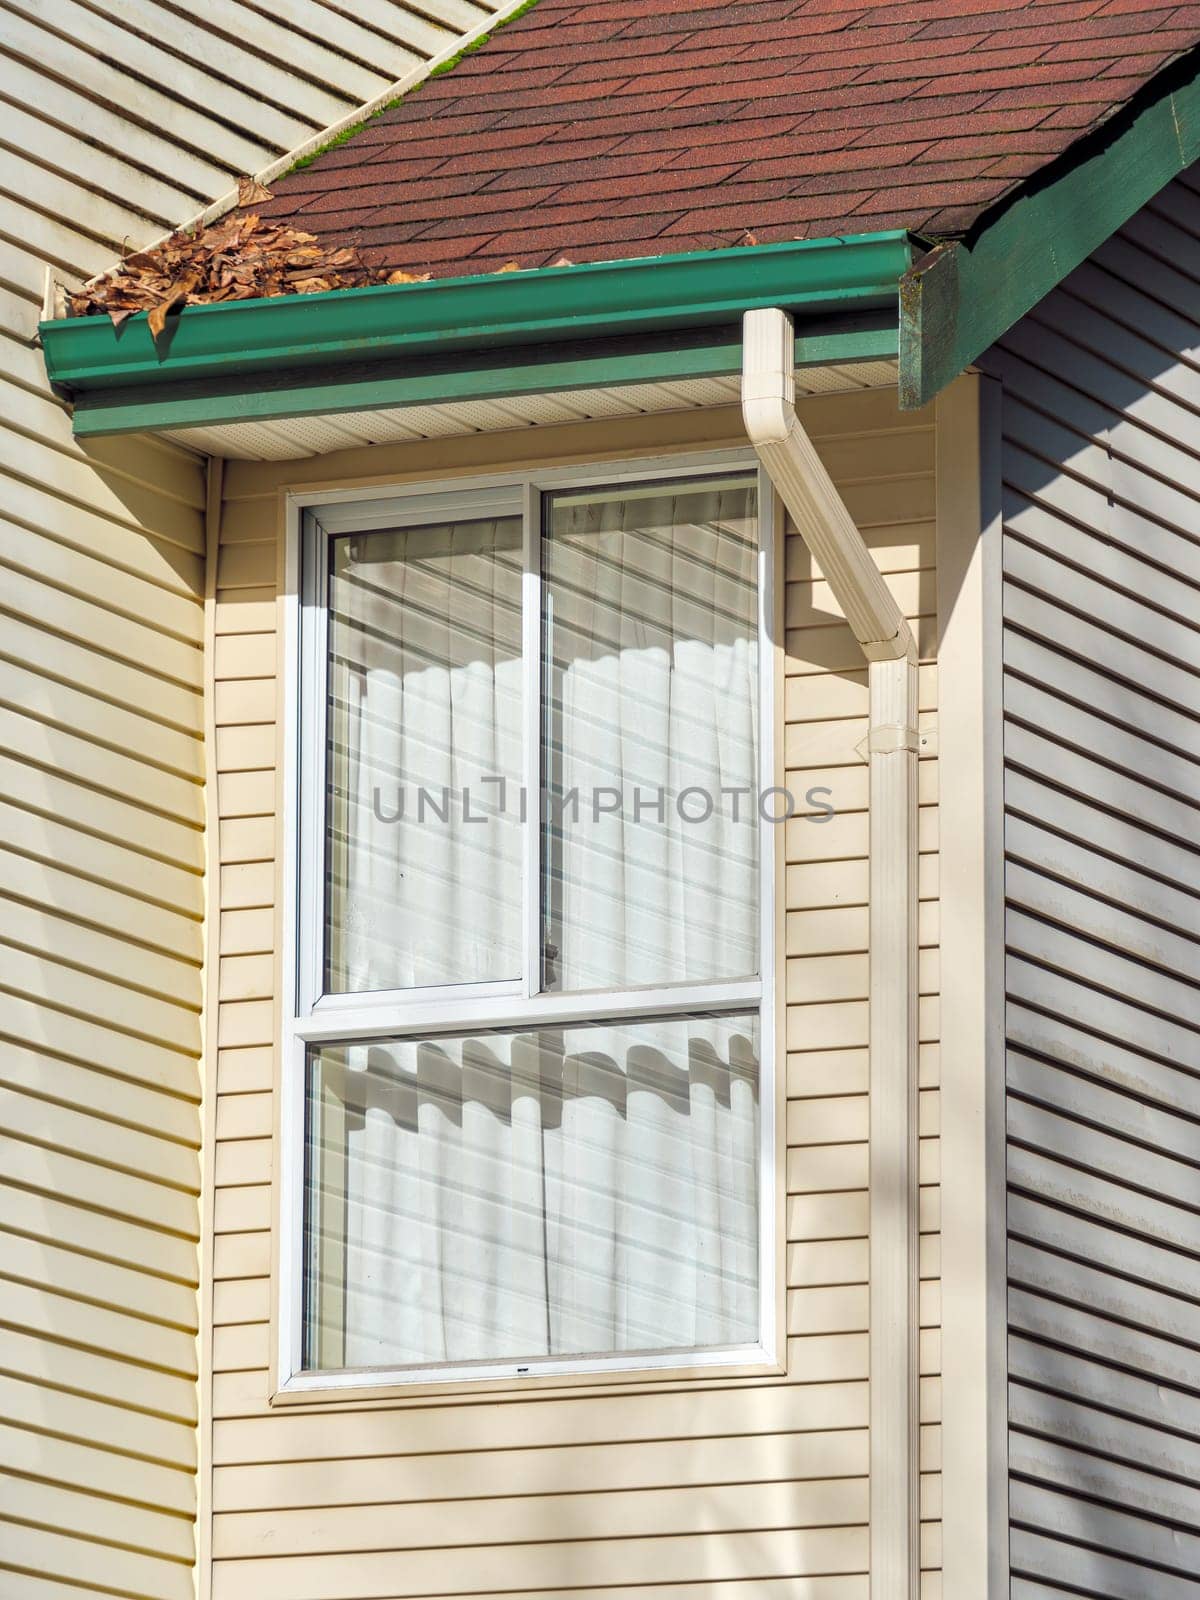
{"x": 120, "y": 122}
{"x": 721, "y": 1488}
{"x": 1101, "y": 462}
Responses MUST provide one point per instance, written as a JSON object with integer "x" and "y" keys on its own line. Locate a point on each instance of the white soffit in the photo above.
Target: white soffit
{"x": 293, "y": 438}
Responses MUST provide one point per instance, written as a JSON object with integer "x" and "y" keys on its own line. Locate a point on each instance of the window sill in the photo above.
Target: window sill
{"x": 551, "y": 1378}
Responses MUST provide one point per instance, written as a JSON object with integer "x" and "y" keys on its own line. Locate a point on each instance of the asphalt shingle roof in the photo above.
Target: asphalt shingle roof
{"x": 605, "y": 129}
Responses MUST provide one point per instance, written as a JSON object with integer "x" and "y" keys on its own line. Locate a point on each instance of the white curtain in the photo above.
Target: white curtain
{"x": 584, "y": 1190}
{"x": 653, "y": 678}
{"x": 424, "y": 703}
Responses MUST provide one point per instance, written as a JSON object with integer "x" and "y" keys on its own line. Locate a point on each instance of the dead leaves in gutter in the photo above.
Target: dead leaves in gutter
{"x": 238, "y": 257}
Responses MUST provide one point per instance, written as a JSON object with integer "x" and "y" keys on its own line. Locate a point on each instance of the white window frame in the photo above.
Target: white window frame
{"x": 309, "y": 1017}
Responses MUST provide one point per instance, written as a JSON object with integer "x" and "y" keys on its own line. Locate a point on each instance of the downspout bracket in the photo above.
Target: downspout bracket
{"x": 888, "y": 739}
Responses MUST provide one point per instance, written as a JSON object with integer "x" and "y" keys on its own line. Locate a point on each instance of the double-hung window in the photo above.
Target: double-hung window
{"x": 528, "y": 1116}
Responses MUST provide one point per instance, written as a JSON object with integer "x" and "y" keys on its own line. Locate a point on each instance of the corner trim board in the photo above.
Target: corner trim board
{"x": 210, "y": 979}
{"x": 975, "y": 1540}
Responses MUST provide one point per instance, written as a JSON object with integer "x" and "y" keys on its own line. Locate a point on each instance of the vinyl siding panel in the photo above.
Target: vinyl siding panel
{"x": 122, "y": 122}
{"x": 1101, "y": 468}
{"x": 101, "y": 815}
{"x": 720, "y": 1486}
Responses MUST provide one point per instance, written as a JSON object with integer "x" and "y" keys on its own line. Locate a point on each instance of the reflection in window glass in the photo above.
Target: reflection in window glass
{"x": 650, "y": 615}
{"x": 424, "y": 703}
{"x": 591, "y": 1189}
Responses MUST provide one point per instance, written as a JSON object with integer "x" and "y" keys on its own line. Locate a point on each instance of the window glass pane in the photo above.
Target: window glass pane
{"x": 424, "y": 705}
{"x": 584, "y": 1190}
{"x": 651, "y": 734}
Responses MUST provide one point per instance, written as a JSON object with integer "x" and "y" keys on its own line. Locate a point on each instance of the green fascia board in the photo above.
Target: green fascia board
{"x": 241, "y": 344}
{"x": 958, "y": 299}
{"x": 420, "y": 380}
{"x": 491, "y": 374}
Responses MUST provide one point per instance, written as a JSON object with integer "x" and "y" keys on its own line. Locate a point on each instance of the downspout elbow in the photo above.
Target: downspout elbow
{"x": 768, "y": 408}
{"x": 768, "y": 376}
{"x": 809, "y": 493}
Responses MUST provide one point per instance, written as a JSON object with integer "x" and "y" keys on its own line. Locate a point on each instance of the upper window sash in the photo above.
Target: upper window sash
{"x": 517, "y": 496}
{"x": 320, "y": 527}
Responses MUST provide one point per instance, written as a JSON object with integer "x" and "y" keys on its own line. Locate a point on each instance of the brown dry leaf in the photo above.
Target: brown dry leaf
{"x": 239, "y": 257}
{"x": 510, "y": 266}
{"x": 251, "y": 192}
{"x": 400, "y": 276}
{"x": 176, "y": 296}
{"x": 158, "y": 318}
{"x": 118, "y": 317}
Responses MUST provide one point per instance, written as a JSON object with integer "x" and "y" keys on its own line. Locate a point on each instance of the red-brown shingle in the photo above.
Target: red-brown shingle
{"x": 619, "y": 128}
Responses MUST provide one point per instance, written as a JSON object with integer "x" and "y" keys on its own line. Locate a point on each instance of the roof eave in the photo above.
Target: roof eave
{"x": 512, "y": 332}
{"x": 960, "y": 297}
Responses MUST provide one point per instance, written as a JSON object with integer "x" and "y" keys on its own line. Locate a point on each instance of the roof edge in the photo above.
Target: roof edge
{"x": 218, "y": 355}
{"x": 962, "y": 295}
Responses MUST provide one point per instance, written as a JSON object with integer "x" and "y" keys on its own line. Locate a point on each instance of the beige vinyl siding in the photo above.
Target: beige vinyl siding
{"x": 1101, "y": 460}
{"x": 126, "y": 120}
{"x": 729, "y": 1487}
{"x": 101, "y": 900}
{"x": 120, "y": 122}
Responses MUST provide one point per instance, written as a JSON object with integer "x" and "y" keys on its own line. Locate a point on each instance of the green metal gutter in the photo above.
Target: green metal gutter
{"x": 601, "y": 323}
{"x": 960, "y": 297}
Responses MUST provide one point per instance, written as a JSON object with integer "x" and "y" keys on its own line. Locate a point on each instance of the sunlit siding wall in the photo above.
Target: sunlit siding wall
{"x": 1102, "y": 742}
{"x": 724, "y": 1490}
{"x": 120, "y": 121}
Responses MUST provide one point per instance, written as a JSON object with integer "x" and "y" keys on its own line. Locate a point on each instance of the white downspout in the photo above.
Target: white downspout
{"x": 817, "y": 509}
